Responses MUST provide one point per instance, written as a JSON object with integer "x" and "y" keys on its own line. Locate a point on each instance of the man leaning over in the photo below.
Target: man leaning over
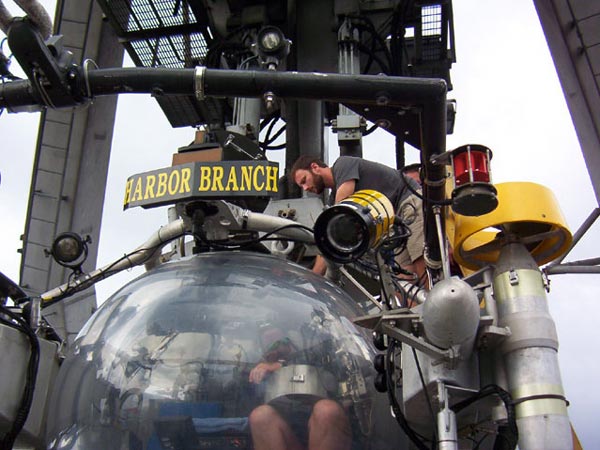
{"x": 351, "y": 174}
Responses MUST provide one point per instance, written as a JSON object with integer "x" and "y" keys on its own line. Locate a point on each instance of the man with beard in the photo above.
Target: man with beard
{"x": 350, "y": 174}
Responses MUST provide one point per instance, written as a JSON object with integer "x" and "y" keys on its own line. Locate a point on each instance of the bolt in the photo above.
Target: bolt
{"x": 382, "y": 100}
{"x": 383, "y": 123}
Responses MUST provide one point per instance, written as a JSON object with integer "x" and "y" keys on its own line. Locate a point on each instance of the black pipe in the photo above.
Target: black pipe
{"x": 141, "y": 80}
{"x": 427, "y": 94}
{"x": 340, "y": 88}
{"x": 17, "y": 94}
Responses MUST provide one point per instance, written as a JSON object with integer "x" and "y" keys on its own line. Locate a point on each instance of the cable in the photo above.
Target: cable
{"x": 105, "y": 272}
{"x": 415, "y": 437}
{"x": 275, "y": 115}
{"x": 376, "y": 37}
{"x": 408, "y": 183}
{"x": 370, "y": 130}
{"x": 508, "y": 435}
{"x": 426, "y": 392}
{"x": 275, "y": 147}
{"x": 384, "y": 67}
{"x": 265, "y": 237}
{"x": 21, "y": 325}
{"x": 270, "y": 129}
{"x": 386, "y": 299}
{"x": 265, "y": 145}
{"x": 276, "y": 135}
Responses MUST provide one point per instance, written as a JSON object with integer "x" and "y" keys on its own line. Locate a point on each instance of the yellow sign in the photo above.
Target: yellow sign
{"x": 201, "y": 180}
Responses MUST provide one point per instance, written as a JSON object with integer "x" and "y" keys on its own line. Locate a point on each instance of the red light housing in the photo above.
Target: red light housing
{"x": 473, "y": 193}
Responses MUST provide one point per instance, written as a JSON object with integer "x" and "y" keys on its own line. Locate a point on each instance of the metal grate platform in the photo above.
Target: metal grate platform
{"x": 165, "y": 33}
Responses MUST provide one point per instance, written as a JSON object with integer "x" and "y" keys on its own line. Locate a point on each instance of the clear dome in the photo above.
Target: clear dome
{"x": 202, "y": 353}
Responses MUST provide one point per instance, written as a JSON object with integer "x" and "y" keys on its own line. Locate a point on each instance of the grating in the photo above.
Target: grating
{"x": 164, "y": 33}
{"x": 176, "y": 51}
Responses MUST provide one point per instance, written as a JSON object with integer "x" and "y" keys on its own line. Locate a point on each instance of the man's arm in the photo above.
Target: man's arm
{"x": 345, "y": 190}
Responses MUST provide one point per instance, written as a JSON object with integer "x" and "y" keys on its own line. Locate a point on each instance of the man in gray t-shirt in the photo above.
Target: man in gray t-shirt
{"x": 350, "y": 174}
{"x": 369, "y": 175}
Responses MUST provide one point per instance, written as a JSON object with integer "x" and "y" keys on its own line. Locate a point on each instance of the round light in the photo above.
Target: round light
{"x": 346, "y": 233}
{"x": 350, "y": 228}
{"x": 67, "y": 247}
{"x": 271, "y": 40}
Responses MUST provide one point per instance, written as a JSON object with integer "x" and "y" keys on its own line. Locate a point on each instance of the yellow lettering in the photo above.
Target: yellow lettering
{"x": 127, "y": 192}
{"x": 272, "y": 178}
{"x": 186, "y": 174}
{"x": 217, "y": 184}
{"x": 255, "y": 184}
{"x": 162, "y": 185}
{"x": 137, "y": 193}
{"x": 232, "y": 183}
{"x": 246, "y": 178}
{"x": 204, "y": 178}
{"x": 150, "y": 182}
{"x": 174, "y": 182}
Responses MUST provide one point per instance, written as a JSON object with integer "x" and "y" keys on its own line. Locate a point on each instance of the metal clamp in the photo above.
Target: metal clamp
{"x": 199, "y": 72}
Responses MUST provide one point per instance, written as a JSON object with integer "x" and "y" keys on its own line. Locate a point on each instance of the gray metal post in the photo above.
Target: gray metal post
{"x": 446, "y": 421}
{"x": 530, "y": 352}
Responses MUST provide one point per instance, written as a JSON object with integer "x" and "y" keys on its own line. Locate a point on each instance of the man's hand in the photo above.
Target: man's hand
{"x": 320, "y": 267}
{"x": 262, "y": 370}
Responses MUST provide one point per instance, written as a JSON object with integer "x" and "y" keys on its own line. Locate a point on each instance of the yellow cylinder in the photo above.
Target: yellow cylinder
{"x": 348, "y": 229}
{"x": 528, "y": 211}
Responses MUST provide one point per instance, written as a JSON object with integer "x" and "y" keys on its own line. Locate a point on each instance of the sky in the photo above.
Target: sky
{"x": 508, "y": 98}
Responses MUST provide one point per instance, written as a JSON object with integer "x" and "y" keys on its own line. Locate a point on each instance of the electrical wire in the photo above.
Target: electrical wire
{"x": 265, "y": 145}
{"x": 372, "y": 55}
{"x": 370, "y": 130}
{"x": 275, "y": 115}
{"x": 275, "y": 147}
{"x": 270, "y": 130}
{"x": 415, "y": 437}
{"x": 276, "y": 135}
{"x": 408, "y": 182}
{"x": 367, "y": 25}
{"x": 19, "y": 324}
{"x": 265, "y": 237}
{"x": 105, "y": 272}
{"x": 508, "y": 435}
{"x": 386, "y": 299}
{"x": 426, "y": 392}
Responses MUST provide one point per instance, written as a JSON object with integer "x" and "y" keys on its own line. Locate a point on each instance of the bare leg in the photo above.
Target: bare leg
{"x": 270, "y": 431}
{"x": 328, "y": 427}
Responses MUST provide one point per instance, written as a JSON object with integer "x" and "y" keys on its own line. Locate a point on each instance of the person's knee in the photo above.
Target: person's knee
{"x": 262, "y": 416}
{"x": 327, "y": 413}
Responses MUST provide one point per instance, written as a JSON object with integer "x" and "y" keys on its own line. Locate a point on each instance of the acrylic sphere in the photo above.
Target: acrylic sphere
{"x": 172, "y": 360}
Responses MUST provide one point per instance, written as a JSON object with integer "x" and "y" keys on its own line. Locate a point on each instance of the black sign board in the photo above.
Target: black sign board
{"x": 226, "y": 179}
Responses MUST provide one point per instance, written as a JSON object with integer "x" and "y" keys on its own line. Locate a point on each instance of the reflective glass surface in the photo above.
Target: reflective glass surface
{"x": 204, "y": 352}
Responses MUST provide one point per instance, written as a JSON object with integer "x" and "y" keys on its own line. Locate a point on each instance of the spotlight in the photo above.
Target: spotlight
{"x": 358, "y": 223}
{"x": 270, "y": 40}
{"x": 271, "y": 47}
{"x": 70, "y": 250}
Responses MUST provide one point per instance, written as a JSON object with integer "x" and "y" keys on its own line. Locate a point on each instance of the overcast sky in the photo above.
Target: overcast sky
{"x": 509, "y": 99}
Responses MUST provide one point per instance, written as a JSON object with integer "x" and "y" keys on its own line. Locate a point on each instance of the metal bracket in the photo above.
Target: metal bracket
{"x": 392, "y": 324}
{"x": 513, "y": 277}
